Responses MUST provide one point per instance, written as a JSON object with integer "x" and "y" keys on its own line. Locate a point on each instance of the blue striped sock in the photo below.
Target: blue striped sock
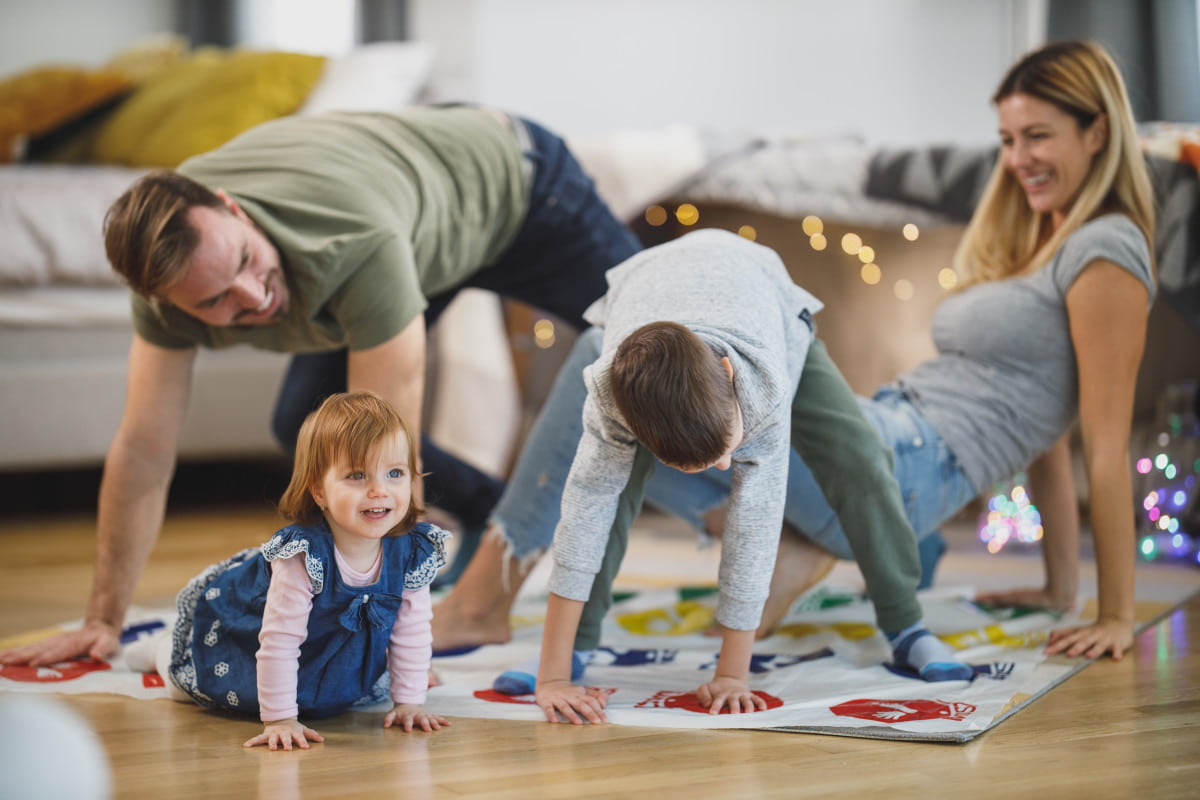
{"x": 917, "y": 649}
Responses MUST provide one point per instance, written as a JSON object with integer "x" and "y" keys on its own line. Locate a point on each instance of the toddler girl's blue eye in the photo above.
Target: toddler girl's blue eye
{"x": 396, "y": 473}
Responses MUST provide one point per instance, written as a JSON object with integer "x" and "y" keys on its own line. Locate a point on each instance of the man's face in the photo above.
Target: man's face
{"x": 234, "y": 276}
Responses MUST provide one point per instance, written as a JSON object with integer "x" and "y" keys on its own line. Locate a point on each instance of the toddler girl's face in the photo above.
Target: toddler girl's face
{"x": 369, "y": 500}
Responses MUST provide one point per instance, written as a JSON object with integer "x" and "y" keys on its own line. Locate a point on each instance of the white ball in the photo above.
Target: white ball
{"x": 47, "y": 750}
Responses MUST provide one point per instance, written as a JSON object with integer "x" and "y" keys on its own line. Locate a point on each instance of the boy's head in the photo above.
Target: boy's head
{"x": 677, "y": 396}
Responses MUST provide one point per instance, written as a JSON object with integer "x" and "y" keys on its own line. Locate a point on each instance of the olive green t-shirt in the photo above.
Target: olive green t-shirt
{"x": 371, "y": 213}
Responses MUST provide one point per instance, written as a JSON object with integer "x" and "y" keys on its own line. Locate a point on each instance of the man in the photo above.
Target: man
{"x": 341, "y": 238}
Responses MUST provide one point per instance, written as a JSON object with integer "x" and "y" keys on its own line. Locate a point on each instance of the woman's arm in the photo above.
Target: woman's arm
{"x": 1107, "y": 309}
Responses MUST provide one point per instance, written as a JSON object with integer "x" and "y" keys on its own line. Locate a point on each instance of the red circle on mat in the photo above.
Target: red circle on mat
{"x": 892, "y": 711}
{"x": 492, "y": 696}
{"x": 688, "y": 701}
{"x": 52, "y": 673}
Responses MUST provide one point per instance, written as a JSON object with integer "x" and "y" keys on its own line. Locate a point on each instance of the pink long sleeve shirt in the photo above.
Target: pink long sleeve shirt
{"x": 285, "y": 627}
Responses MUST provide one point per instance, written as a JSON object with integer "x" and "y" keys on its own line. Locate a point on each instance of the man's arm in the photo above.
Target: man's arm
{"x": 395, "y": 370}
{"x": 133, "y": 493}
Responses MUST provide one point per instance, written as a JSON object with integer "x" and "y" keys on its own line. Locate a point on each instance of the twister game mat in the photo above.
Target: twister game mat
{"x": 826, "y": 671}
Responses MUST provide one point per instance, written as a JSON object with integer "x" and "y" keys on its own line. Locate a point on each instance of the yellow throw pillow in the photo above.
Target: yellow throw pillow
{"x": 39, "y": 100}
{"x": 202, "y": 103}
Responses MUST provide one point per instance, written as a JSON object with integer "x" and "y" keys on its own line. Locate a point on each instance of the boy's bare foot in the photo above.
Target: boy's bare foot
{"x": 799, "y": 566}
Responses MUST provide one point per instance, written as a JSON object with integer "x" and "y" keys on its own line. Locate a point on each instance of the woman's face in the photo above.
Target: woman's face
{"x": 1047, "y": 152}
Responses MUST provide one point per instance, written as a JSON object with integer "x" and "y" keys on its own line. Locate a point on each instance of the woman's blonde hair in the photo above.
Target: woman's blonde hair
{"x": 1006, "y": 236}
{"x": 347, "y": 428}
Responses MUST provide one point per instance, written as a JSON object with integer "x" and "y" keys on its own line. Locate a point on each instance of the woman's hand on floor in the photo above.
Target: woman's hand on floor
{"x": 1093, "y": 641}
{"x": 1025, "y": 598}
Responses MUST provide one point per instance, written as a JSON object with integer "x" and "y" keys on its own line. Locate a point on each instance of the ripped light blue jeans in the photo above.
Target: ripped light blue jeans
{"x": 933, "y": 485}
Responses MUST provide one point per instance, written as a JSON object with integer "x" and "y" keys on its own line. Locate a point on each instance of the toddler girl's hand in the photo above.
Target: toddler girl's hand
{"x": 410, "y": 716}
{"x": 282, "y": 733}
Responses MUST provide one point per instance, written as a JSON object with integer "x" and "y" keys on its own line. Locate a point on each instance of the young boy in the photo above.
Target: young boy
{"x": 706, "y": 339}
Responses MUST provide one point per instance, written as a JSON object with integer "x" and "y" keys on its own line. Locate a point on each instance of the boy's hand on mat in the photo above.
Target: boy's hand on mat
{"x": 563, "y": 697}
{"x": 1092, "y": 641}
{"x": 734, "y": 693}
{"x": 282, "y": 733}
{"x": 96, "y": 639}
{"x": 410, "y": 717}
{"x": 1025, "y": 598}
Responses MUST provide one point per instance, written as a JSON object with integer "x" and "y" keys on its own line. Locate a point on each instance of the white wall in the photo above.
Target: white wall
{"x": 84, "y": 32}
{"x": 885, "y": 70}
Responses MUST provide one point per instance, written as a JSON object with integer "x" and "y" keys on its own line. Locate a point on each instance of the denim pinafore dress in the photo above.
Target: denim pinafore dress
{"x": 343, "y": 662}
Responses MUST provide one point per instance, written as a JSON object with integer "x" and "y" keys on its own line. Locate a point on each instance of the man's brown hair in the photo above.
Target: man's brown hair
{"x": 675, "y": 394}
{"x": 147, "y": 235}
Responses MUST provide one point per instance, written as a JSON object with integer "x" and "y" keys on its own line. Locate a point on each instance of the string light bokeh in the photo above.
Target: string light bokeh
{"x": 1166, "y": 477}
{"x": 1010, "y": 517}
{"x": 852, "y": 244}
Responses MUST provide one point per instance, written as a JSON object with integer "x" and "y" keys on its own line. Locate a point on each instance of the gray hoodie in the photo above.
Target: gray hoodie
{"x": 738, "y": 297}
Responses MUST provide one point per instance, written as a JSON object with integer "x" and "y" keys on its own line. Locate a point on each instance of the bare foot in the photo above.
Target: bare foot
{"x": 452, "y": 628}
{"x": 477, "y": 609}
{"x": 799, "y": 566}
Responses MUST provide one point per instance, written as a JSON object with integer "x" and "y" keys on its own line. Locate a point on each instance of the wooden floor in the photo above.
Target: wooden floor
{"x": 1115, "y": 730}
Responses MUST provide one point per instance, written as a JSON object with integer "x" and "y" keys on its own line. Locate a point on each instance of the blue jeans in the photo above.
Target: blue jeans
{"x": 932, "y": 484}
{"x": 556, "y": 263}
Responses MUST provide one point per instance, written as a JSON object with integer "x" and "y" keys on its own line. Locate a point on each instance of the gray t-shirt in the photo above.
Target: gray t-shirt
{"x": 1004, "y": 386}
{"x": 738, "y": 297}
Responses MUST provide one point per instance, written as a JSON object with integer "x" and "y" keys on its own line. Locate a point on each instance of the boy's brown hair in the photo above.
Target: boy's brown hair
{"x": 147, "y": 236}
{"x": 675, "y": 394}
{"x": 346, "y": 427}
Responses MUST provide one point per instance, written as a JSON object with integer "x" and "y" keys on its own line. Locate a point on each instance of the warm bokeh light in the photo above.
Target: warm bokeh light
{"x": 871, "y": 273}
{"x": 911, "y": 232}
{"x": 903, "y": 289}
{"x": 812, "y": 225}
{"x": 817, "y": 240}
{"x": 656, "y": 215}
{"x": 687, "y": 214}
{"x": 866, "y": 254}
{"x": 748, "y": 232}
{"x": 947, "y": 278}
{"x": 852, "y": 243}
{"x": 543, "y": 333}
